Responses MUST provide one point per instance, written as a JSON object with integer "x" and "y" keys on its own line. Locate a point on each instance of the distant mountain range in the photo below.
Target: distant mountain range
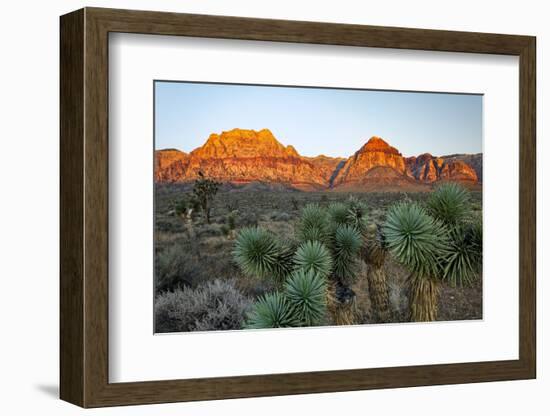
{"x": 246, "y": 156}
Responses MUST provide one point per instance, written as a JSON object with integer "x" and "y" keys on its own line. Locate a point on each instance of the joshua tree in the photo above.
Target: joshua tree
{"x": 186, "y": 207}
{"x": 419, "y": 242}
{"x": 437, "y": 243}
{"x": 450, "y": 203}
{"x": 374, "y": 253}
{"x": 313, "y": 273}
{"x": 205, "y": 189}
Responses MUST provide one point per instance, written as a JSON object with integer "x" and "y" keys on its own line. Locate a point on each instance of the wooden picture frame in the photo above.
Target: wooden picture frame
{"x": 84, "y": 207}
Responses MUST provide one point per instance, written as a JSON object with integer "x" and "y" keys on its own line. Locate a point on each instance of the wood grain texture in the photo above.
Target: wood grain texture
{"x": 84, "y": 207}
{"x": 71, "y": 185}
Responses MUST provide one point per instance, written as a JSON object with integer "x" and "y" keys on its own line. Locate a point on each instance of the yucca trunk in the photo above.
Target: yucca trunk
{"x": 374, "y": 256}
{"x": 423, "y": 297}
{"x": 341, "y": 304}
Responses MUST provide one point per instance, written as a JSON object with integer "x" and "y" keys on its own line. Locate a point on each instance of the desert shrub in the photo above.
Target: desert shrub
{"x": 175, "y": 267}
{"x": 169, "y": 226}
{"x": 218, "y": 305}
{"x": 250, "y": 219}
{"x": 232, "y": 219}
{"x": 210, "y": 230}
{"x": 280, "y": 216}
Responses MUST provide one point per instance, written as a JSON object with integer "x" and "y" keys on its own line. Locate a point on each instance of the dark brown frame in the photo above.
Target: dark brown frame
{"x": 84, "y": 208}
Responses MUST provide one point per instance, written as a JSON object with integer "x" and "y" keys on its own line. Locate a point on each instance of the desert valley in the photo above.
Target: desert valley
{"x": 262, "y": 191}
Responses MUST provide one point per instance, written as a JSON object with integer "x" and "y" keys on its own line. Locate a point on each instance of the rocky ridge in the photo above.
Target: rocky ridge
{"x": 243, "y": 156}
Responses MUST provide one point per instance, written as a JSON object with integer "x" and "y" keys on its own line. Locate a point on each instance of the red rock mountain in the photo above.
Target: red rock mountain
{"x": 244, "y": 156}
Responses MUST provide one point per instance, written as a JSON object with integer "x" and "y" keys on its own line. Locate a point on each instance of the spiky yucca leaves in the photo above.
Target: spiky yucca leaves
{"x": 357, "y": 214}
{"x": 347, "y": 243}
{"x": 313, "y": 224}
{"x": 450, "y": 203}
{"x": 416, "y": 240}
{"x": 476, "y": 232}
{"x": 338, "y": 214}
{"x": 258, "y": 253}
{"x": 271, "y": 311}
{"x": 313, "y": 256}
{"x": 463, "y": 261}
{"x": 306, "y": 294}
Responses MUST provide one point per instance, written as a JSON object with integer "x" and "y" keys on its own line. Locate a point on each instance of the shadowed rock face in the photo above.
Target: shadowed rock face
{"x": 428, "y": 169}
{"x": 245, "y": 156}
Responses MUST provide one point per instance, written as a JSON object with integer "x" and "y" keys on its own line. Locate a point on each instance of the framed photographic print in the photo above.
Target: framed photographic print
{"x": 255, "y": 207}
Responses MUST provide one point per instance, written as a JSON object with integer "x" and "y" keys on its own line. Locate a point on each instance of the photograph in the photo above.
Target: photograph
{"x": 302, "y": 206}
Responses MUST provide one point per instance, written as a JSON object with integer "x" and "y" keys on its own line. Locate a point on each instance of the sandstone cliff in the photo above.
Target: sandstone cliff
{"x": 246, "y": 156}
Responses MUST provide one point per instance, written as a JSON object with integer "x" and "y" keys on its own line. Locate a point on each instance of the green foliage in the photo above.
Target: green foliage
{"x": 417, "y": 240}
{"x": 231, "y": 219}
{"x": 449, "y": 203}
{"x": 204, "y": 190}
{"x": 260, "y": 254}
{"x": 271, "y": 311}
{"x": 338, "y": 214}
{"x": 357, "y": 214}
{"x": 463, "y": 261}
{"x": 313, "y": 224}
{"x": 347, "y": 243}
{"x": 186, "y": 204}
{"x": 306, "y": 294}
{"x": 284, "y": 260}
{"x": 313, "y": 256}
{"x": 256, "y": 252}
{"x": 476, "y": 232}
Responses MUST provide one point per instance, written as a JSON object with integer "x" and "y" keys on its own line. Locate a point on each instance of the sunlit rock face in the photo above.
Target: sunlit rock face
{"x": 245, "y": 156}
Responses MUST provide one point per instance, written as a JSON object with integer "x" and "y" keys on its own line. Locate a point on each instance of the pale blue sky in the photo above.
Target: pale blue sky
{"x": 334, "y": 122}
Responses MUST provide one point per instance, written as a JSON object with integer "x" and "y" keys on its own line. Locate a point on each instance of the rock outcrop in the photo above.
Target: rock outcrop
{"x": 246, "y": 156}
{"x": 429, "y": 169}
{"x": 376, "y": 152}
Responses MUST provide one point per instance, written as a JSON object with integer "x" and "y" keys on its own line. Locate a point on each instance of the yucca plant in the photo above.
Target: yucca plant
{"x": 305, "y": 292}
{"x": 271, "y": 311}
{"x": 259, "y": 254}
{"x": 327, "y": 250}
{"x": 374, "y": 253}
{"x": 463, "y": 261}
{"x": 357, "y": 214}
{"x": 346, "y": 246}
{"x": 313, "y": 224}
{"x": 476, "y": 233}
{"x": 313, "y": 256}
{"x": 337, "y": 215}
{"x": 419, "y": 242}
{"x": 449, "y": 203}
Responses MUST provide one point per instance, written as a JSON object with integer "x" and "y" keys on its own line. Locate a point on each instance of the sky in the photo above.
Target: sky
{"x": 333, "y": 122}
